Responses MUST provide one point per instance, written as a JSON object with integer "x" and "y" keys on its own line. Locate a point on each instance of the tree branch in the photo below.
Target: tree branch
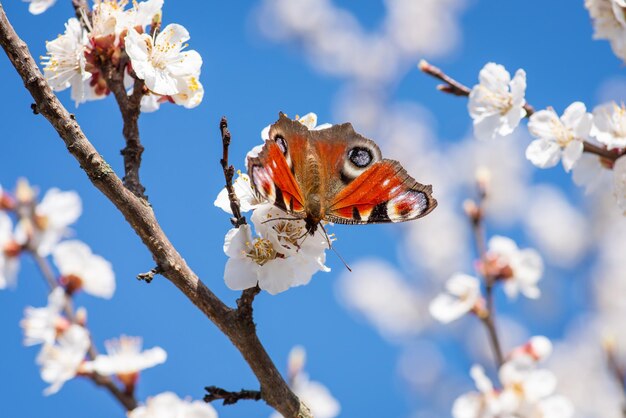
{"x": 130, "y": 110}
{"x": 452, "y": 86}
{"x": 229, "y": 398}
{"x": 140, "y": 216}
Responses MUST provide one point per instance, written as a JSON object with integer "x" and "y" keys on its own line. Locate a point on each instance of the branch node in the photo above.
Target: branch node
{"x": 149, "y": 276}
{"x": 34, "y": 108}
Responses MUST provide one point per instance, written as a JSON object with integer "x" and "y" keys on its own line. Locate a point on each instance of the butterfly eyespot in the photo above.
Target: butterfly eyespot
{"x": 282, "y": 144}
{"x": 360, "y": 157}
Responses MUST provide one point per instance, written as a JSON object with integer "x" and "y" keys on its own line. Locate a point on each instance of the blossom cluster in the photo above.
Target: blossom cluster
{"x": 518, "y": 269}
{"x": 114, "y": 39}
{"x": 497, "y": 106}
{"x": 67, "y": 350}
{"x": 526, "y": 389}
{"x": 282, "y": 254}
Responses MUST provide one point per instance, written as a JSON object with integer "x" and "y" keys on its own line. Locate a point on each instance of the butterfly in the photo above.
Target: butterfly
{"x": 334, "y": 175}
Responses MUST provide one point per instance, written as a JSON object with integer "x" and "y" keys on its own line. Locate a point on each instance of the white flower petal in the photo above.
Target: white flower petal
{"x": 571, "y": 154}
{"x": 543, "y": 153}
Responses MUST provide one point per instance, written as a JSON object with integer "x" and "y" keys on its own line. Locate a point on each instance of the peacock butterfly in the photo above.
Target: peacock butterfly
{"x": 334, "y": 175}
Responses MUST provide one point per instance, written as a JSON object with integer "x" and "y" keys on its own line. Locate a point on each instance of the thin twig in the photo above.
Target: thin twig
{"x": 457, "y": 88}
{"x": 140, "y": 216}
{"x": 229, "y": 398}
{"x": 229, "y": 173}
{"x": 487, "y": 317}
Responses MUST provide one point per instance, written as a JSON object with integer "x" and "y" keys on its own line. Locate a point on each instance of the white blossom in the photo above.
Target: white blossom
{"x": 282, "y": 256}
{"x": 110, "y": 19}
{"x": 41, "y": 325}
{"x": 609, "y": 125}
{"x": 558, "y": 138}
{"x": 248, "y": 199}
{"x": 168, "y": 405}
{"x": 190, "y": 91}
{"x": 37, "y": 7}
{"x": 52, "y": 218}
{"x": 9, "y": 252}
{"x": 81, "y": 269}
{"x": 521, "y": 270}
{"x": 161, "y": 62}
{"x": 462, "y": 295}
{"x": 619, "y": 182}
{"x": 60, "y": 362}
{"x": 125, "y": 359}
{"x": 65, "y": 62}
{"x": 496, "y": 104}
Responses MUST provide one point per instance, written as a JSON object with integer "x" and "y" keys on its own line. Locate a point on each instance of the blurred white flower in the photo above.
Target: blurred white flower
{"x": 538, "y": 348}
{"x": 527, "y": 392}
{"x": 37, "y": 7}
{"x": 558, "y": 138}
{"x": 81, "y": 269}
{"x": 125, "y": 359}
{"x": 482, "y": 404}
{"x": 161, "y": 62}
{"x": 376, "y": 290}
{"x": 619, "y": 182}
{"x": 521, "y": 270}
{"x": 168, "y": 405}
{"x": 609, "y": 125}
{"x": 65, "y": 62}
{"x": 462, "y": 296}
{"x": 609, "y": 23}
{"x": 496, "y": 104}
{"x": 52, "y": 218}
{"x": 9, "y": 252}
{"x": 42, "y": 325}
{"x": 60, "y": 362}
{"x": 314, "y": 394}
{"x": 248, "y": 199}
{"x": 526, "y": 388}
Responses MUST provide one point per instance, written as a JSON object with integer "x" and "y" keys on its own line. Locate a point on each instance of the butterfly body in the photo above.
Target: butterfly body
{"x": 334, "y": 175}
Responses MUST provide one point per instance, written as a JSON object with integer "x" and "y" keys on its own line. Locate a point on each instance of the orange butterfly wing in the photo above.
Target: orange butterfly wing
{"x": 273, "y": 179}
{"x": 382, "y": 193}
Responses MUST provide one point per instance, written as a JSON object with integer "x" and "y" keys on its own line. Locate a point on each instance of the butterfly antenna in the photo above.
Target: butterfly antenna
{"x": 331, "y": 247}
{"x": 280, "y": 219}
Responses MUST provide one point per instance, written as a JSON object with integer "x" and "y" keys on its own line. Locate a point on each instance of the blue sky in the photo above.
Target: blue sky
{"x": 250, "y": 78}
